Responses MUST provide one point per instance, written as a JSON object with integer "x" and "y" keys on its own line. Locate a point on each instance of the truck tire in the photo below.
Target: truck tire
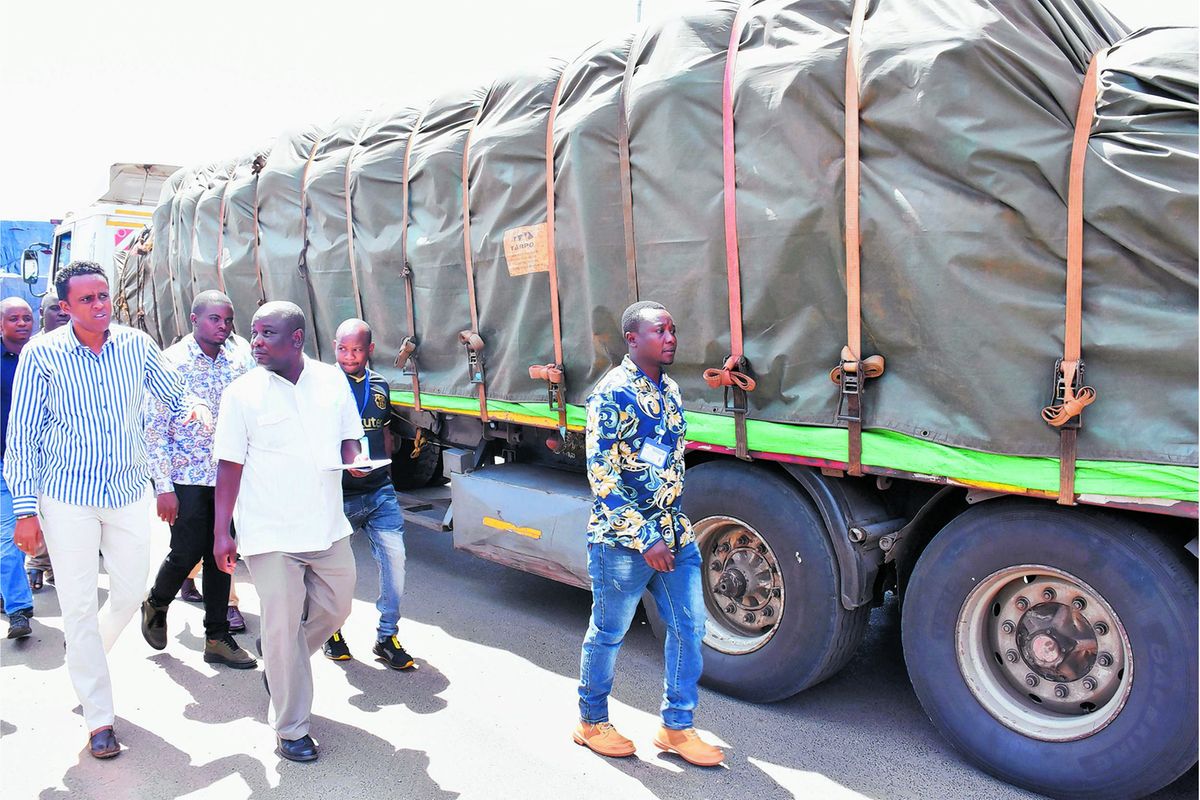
{"x": 410, "y": 473}
{"x": 1056, "y": 648}
{"x": 760, "y": 535}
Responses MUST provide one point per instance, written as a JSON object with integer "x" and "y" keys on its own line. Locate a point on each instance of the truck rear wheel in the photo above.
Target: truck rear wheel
{"x": 425, "y": 469}
{"x": 1056, "y": 648}
{"x": 775, "y": 624}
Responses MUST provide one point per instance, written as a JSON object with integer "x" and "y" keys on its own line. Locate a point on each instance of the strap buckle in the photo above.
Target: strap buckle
{"x": 473, "y": 345}
{"x": 850, "y": 381}
{"x": 406, "y": 359}
{"x": 1067, "y": 399}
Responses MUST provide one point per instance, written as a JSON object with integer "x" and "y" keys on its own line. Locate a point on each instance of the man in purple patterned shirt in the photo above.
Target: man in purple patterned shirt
{"x": 184, "y": 473}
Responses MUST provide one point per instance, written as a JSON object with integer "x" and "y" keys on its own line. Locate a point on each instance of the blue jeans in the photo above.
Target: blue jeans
{"x": 14, "y": 586}
{"x": 379, "y": 515}
{"x": 619, "y": 576}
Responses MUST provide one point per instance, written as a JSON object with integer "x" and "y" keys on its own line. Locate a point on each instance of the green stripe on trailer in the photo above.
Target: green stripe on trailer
{"x": 890, "y": 450}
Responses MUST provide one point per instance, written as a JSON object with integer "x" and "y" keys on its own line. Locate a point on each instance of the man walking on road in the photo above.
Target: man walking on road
{"x": 370, "y": 502}
{"x": 639, "y": 538}
{"x": 16, "y": 325}
{"x": 77, "y": 452}
{"x": 284, "y": 433}
{"x": 184, "y": 473}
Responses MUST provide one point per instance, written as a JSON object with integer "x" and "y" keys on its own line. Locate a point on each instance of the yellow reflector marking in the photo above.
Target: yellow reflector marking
{"x": 501, "y": 525}
{"x": 131, "y": 213}
{"x": 116, "y": 223}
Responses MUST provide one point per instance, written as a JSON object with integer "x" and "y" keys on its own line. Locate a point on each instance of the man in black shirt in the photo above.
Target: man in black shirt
{"x": 370, "y": 501}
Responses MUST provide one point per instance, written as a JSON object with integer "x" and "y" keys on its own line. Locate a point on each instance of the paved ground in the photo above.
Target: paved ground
{"x": 487, "y": 715}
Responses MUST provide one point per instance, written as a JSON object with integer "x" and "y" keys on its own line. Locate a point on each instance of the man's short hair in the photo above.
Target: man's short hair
{"x": 633, "y": 314}
{"x": 353, "y": 325}
{"x": 74, "y": 270}
{"x": 289, "y": 314}
{"x": 210, "y": 297}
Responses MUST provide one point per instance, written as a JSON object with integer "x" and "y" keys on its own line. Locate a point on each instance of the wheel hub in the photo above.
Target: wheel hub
{"x": 1044, "y": 653}
{"x": 743, "y": 589}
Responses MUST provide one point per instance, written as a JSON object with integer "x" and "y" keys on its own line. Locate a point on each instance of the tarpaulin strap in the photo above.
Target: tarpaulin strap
{"x": 553, "y": 374}
{"x": 471, "y": 339}
{"x": 302, "y": 266}
{"x": 626, "y": 171}
{"x": 358, "y": 304}
{"x": 259, "y": 164}
{"x": 256, "y": 168}
{"x": 853, "y": 370}
{"x": 732, "y": 374}
{"x": 408, "y": 348}
{"x": 221, "y": 214}
{"x": 171, "y": 270}
{"x": 1070, "y": 395}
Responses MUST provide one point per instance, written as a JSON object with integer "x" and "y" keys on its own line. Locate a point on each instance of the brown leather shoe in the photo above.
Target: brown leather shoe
{"x": 603, "y": 739}
{"x": 688, "y": 744}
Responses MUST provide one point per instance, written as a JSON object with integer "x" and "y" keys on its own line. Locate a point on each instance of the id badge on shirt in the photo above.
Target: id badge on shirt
{"x": 653, "y": 452}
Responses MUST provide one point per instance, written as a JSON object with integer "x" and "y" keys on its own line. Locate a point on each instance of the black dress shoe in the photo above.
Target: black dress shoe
{"x": 154, "y": 624}
{"x": 103, "y": 744}
{"x": 302, "y": 749}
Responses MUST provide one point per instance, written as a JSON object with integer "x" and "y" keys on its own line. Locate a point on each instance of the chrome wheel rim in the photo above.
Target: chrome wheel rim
{"x": 743, "y": 588}
{"x": 1044, "y": 653}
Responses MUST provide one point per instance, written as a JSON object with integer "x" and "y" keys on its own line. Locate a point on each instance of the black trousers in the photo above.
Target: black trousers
{"x": 192, "y": 541}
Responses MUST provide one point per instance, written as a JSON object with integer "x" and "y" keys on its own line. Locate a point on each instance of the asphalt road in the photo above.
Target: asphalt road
{"x": 488, "y": 713}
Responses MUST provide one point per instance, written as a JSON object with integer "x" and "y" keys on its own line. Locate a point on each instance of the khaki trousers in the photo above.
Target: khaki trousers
{"x": 73, "y": 535}
{"x": 303, "y": 599}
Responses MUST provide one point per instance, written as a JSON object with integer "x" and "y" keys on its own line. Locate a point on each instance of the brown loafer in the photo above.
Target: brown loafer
{"x": 602, "y": 738}
{"x": 103, "y": 743}
{"x": 688, "y": 744}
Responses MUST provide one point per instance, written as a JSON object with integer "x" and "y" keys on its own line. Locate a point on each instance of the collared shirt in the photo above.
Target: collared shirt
{"x": 287, "y": 436}
{"x": 77, "y": 432}
{"x": 184, "y": 453}
{"x": 8, "y": 369}
{"x": 637, "y": 503}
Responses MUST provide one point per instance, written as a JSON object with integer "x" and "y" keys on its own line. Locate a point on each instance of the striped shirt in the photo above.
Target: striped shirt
{"x": 76, "y": 427}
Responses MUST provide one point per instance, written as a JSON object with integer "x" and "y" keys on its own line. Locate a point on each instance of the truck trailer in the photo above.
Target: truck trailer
{"x": 934, "y": 267}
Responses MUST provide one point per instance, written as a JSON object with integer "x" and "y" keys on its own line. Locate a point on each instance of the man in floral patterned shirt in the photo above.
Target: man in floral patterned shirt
{"x": 184, "y": 473}
{"x": 639, "y": 538}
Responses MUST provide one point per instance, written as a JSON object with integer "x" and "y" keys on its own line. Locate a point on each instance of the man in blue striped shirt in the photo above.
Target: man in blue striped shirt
{"x": 76, "y": 454}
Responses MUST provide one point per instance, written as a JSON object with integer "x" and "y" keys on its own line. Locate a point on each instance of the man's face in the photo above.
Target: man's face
{"x": 353, "y": 352}
{"x": 273, "y": 345}
{"x": 16, "y": 324}
{"x": 53, "y": 314}
{"x": 212, "y": 323}
{"x": 88, "y": 303}
{"x": 654, "y": 340}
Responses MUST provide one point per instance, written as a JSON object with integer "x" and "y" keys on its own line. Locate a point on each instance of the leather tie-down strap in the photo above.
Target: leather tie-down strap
{"x": 259, "y": 163}
{"x": 222, "y": 213}
{"x": 353, "y": 263}
{"x": 302, "y": 266}
{"x": 1070, "y": 396}
{"x": 406, "y": 358}
{"x": 732, "y": 374}
{"x": 853, "y": 370}
{"x": 626, "y": 171}
{"x": 553, "y": 374}
{"x": 474, "y": 344}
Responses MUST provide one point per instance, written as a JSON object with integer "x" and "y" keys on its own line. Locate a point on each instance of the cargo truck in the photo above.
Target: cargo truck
{"x": 985, "y": 194}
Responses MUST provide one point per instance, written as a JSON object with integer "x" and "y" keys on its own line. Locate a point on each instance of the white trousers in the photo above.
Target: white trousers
{"x": 74, "y": 534}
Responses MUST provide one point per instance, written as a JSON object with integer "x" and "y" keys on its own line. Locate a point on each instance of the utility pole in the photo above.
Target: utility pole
{"x": 639, "y": 12}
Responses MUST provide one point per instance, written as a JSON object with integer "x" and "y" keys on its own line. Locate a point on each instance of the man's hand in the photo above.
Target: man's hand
{"x": 659, "y": 557}
{"x": 224, "y": 551}
{"x": 201, "y": 414}
{"x": 168, "y": 507}
{"x": 28, "y": 535}
{"x": 360, "y": 473}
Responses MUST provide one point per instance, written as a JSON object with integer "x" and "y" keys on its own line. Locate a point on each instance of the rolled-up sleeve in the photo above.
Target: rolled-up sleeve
{"x": 26, "y": 425}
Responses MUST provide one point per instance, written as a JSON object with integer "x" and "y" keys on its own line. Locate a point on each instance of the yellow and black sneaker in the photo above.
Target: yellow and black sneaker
{"x": 336, "y": 648}
{"x": 391, "y": 653}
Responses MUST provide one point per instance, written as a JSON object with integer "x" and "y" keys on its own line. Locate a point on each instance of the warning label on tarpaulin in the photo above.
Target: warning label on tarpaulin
{"x": 527, "y": 249}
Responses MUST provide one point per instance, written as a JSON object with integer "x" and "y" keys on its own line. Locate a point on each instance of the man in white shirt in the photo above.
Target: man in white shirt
{"x": 284, "y": 432}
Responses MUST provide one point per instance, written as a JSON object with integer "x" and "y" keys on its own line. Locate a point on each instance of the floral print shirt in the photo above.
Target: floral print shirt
{"x": 637, "y": 503}
{"x": 184, "y": 453}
